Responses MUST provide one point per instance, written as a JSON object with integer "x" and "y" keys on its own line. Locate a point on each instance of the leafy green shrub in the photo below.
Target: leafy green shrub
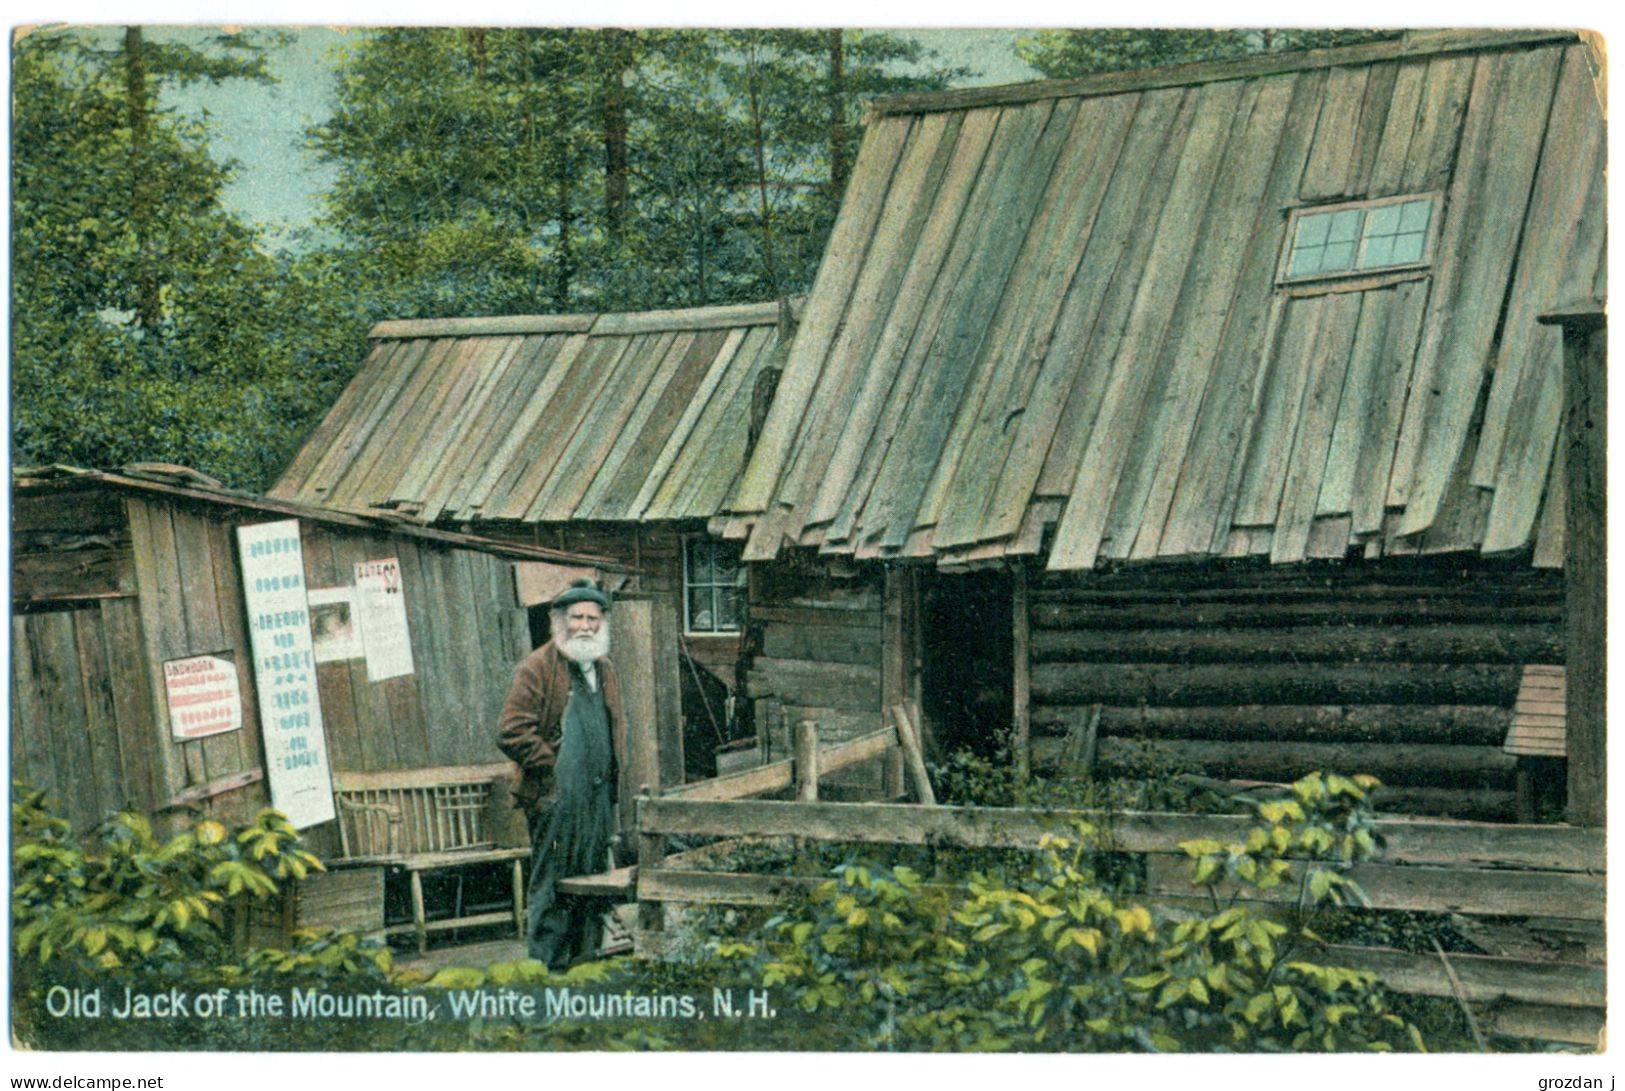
{"x": 1049, "y": 958}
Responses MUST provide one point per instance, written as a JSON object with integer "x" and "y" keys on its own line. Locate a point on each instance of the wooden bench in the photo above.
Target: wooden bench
{"x": 431, "y": 819}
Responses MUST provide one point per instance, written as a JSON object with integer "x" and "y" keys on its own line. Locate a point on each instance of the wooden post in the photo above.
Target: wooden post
{"x": 651, "y": 853}
{"x": 807, "y": 760}
{"x": 1020, "y": 734}
{"x": 892, "y": 773}
{"x": 1583, "y": 449}
{"x": 911, "y": 750}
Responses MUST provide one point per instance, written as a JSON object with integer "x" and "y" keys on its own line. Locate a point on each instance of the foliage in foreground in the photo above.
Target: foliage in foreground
{"x": 1041, "y": 955}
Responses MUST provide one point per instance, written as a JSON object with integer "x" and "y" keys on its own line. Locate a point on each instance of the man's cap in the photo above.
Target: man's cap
{"x": 582, "y": 591}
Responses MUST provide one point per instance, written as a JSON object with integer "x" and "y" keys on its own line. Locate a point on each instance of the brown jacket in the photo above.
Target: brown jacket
{"x": 533, "y": 720}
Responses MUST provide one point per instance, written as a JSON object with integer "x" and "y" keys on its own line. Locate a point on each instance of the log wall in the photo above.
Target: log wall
{"x": 1404, "y": 669}
{"x": 816, "y": 635}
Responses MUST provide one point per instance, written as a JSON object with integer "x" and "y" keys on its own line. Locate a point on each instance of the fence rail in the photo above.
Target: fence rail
{"x": 1479, "y": 869}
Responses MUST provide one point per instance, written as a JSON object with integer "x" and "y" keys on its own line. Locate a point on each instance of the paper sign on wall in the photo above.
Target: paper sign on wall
{"x": 204, "y": 697}
{"x": 285, "y": 671}
{"x": 334, "y": 624}
{"x": 381, "y": 608}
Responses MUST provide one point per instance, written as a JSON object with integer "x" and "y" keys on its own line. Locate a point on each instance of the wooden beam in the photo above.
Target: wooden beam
{"x": 912, "y": 753}
{"x": 1406, "y": 841}
{"x": 401, "y": 329}
{"x": 1184, "y": 75}
{"x": 807, "y": 760}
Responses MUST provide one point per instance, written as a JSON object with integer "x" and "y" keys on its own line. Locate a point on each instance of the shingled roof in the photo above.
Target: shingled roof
{"x": 1056, "y": 318}
{"x": 623, "y": 417}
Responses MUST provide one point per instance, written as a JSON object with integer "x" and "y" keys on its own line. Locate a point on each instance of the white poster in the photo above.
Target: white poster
{"x": 285, "y": 671}
{"x": 204, "y": 697}
{"x": 381, "y": 609}
{"x": 334, "y": 624}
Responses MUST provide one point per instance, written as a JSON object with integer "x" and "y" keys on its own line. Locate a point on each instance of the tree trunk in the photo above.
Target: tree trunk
{"x": 761, "y": 177}
{"x": 839, "y": 155}
{"x": 148, "y": 309}
{"x": 618, "y": 58}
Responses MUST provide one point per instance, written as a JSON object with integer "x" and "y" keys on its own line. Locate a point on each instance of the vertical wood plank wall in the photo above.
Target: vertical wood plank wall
{"x": 89, "y": 720}
{"x": 1405, "y": 669}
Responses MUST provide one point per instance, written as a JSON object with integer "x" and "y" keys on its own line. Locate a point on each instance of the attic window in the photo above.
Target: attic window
{"x": 713, "y": 586}
{"x": 1360, "y": 237}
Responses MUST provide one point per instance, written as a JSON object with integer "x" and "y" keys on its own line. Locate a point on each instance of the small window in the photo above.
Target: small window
{"x": 713, "y": 586}
{"x": 1371, "y": 236}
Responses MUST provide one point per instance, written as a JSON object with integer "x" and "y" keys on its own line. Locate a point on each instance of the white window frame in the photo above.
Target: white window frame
{"x": 1283, "y": 273}
{"x": 690, "y": 586}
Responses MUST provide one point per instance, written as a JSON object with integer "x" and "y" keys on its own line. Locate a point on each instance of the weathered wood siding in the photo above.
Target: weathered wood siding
{"x": 89, "y": 714}
{"x": 1247, "y": 672}
{"x": 817, "y": 642}
{"x": 1058, "y": 304}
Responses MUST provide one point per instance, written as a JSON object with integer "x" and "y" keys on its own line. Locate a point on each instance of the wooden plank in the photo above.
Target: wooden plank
{"x": 345, "y": 465}
{"x": 1425, "y": 889}
{"x": 229, "y": 601}
{"x": 652, "y": 449}
{"x": 1199, "y": 516}
{"x": 899, "y": 365}
{"x": 1408, "y": 842}
{"x": 708, "y": 452}
{"x": 1381, "y": 83}
{"x": 888, "y": 299}
{"x": 1207, "y": 306}
{"x": 1528, "y": 453}
{"x": 1100, "y": 472}
{"x": 726, "y": 317}
{"x": 844, "y": 257}
{"x": 473, "y": 464}
{"x": 31, "y": 760}
{"x": 1021, "y": 670}
{"x": 334, "y": 681}
{"x": 1286, "y": 375}
{"x": 1331, "y": 157}
{"x": 365, "y": 388}
{"x": 543, "y": 364}
{"x": 1482, "y": 725}
{"x": 972, "y": 279}
{"x": 164, "y": 630}
{"x": 61, "y": 696}
{"x": 222, "y": 754}
{"x": 375, "y": 727}
{"x": 1570, "y": 158}
{"x": 1385, "y": 408}
{"x": 1360, "y": 388}
{"x": 493, "y": 326}
{"x": 77, "y": 573}
{"x": 1500, "y": 146}
{"x": 1460, "y": 643}
{"x": 1274, "y": 683}
{"x": 1317, "y": 415}
{"x": 1265, "y": 64}
{"x": 475, "y": 424}
{"x": 354, "y": 780}
{"x": 139, "y": 732}
{"x": 101, "y": 715}
{"x": 1409, "y": 764}
{"x": 1548, "y": 1023}
{"x": 459, "y": 398}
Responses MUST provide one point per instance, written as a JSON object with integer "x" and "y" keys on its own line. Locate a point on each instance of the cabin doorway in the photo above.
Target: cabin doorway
{"x": 967, "y": 675}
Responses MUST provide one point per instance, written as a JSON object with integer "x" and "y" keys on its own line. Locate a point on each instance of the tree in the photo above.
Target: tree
{"x": 145, "y": 320}
{"x": 1066, "y": 54}
{"x": 523, "y": 170}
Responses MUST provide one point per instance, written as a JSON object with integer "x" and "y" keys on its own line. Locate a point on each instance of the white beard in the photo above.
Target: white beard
{"x": 585, "y": 648}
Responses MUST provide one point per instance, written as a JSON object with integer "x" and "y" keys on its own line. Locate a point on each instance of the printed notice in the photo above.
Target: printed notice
{"x": 285, "y": 671}
{"x": 334, "y": 624}
{"x": 204, "y": 698}
{"x": 381, "y": 610}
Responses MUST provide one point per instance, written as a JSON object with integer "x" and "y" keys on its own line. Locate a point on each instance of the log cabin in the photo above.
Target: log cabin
{"x": 618, "y": 435}
{"x": 1218, "y": 412}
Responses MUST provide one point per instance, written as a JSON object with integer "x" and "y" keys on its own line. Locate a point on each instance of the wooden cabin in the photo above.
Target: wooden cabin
{"x": 130, "y": 588}
{"x": 1202, "y": 416}
{"x": 618, "y": 435}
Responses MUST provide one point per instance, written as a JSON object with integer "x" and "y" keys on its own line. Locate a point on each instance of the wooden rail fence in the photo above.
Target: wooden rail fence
{"x": 1481, "y": 870}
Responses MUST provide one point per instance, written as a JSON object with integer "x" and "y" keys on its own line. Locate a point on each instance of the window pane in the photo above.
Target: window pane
{"x": 1307, "y": 261}
{"x": 726, "y": 563}
{"x": 699, "y": 610}
{"x": 729, "y": 608}
{"x": 1383, "y": 220}
{"x": 1414, "y": 215}
{"x": 1345, "y": 226}
{"x": 699, "y": 561}
{"x": 1312, "y": 230}
{"x": 1409, "y": 247}
{"x": 1378, "y": 251}
{"x": 1339, "y": 255}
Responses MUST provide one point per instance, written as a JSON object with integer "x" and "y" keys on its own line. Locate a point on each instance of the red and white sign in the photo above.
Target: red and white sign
{"x": 204, "y": 698}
